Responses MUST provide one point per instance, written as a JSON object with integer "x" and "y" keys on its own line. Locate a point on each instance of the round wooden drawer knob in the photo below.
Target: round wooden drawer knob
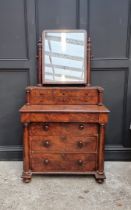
{"x": 46, "y": 127}
{"x": 80, "y": 144}
{"x": 46, "y": 161}
{"x": 80, "y": 162}
{"x": 81, "y": 127}
{"x": 46, "y": 143}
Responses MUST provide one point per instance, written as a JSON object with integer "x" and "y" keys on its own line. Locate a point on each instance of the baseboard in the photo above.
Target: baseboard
{"x": 117, "y": 153}
{"x": 112, "y": 153}
{"x": 11, "y": 153}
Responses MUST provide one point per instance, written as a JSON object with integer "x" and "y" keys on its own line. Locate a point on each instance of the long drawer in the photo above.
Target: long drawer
{"x": 64, "y": 143}
{"x": 60, "y": 129}
{"x": 62, "y": 95}
{"x": 63, "y": 162}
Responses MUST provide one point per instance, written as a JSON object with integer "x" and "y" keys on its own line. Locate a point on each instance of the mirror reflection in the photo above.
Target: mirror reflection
{"x": 64, "y": 56}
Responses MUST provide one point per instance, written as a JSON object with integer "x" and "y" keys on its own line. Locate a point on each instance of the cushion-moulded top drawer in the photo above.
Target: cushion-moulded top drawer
{"x": 63, "y": 96}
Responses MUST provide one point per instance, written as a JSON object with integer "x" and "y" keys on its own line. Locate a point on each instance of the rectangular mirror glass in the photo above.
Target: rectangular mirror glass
{"x": 64, "y": 57}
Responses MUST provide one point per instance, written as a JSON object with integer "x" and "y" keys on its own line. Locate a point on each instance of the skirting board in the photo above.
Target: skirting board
{"x": 10, "y": 153}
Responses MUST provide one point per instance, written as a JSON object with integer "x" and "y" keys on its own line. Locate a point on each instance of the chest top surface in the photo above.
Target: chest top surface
{"x": 64, "y": 108}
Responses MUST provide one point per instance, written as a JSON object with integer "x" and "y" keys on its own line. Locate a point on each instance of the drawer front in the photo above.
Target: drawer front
{"x": 64, "y": 143}
{"x": 60, "y": 117}
{"x": 60, "y": 129}
{"x": 63, "y": 162}
{"x": 63, "y": 96}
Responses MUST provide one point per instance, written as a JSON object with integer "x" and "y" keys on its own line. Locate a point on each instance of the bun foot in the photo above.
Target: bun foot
{"x": 100, "y": 181}
{"x": 100, "y": 177}
{"x": 26, "y": 177}
{"x": 26, "y": 180}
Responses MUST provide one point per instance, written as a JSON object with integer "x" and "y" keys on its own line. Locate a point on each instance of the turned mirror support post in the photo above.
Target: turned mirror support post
{"x": 39, "y": 63}
{"x": 88, "y": 61}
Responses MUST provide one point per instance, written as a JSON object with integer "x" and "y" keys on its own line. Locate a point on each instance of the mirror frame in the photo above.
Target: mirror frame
{"x": 43, "y": 60}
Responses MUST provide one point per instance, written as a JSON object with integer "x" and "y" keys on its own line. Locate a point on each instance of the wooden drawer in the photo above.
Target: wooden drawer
{"x": 63, "y": 162}
{"x": 60, "y": 117}
{"x": 64, "y": 143}
{"x": 44, "y": 95}
{"x": 60, "y": 129}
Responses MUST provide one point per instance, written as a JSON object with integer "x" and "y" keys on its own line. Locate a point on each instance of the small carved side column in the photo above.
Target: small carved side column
{"x": 26, "y": 166}
{"x": 27, "y": 97}
{"x": 100, "y": 173}
{"x": 100, "y": 99}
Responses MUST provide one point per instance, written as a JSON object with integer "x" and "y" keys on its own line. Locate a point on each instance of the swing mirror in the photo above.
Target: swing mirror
{"x": 64, "y": 57}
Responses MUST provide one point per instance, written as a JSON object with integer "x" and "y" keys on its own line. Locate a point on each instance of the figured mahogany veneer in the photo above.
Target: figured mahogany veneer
{"x": 63, "y": 162}
{"x": 64, "y": 128}
{"x": 64, "y": 113}
{"x": 63, "y": 138}
{"x": 63, "y": 143}
{"x": 58, "y": 129}
{"x": 64, "y": 95}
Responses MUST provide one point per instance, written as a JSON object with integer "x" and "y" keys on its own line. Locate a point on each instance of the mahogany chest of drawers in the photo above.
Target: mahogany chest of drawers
{"x": 64, "y": 131}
